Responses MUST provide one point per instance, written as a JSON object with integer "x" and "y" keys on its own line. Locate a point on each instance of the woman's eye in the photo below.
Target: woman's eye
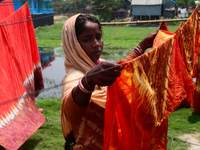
{"x": 86, "y": 40}
{"x": 98, "y": 38}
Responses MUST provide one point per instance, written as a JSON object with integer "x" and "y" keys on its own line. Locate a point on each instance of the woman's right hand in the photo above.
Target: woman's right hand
{"x": 103, "y": 74}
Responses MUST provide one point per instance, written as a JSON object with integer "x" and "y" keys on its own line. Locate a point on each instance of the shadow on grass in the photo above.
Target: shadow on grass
{"x": 194, "y": 118}
{"x": 30, "y": 144}
{"x": 176, "y": 143}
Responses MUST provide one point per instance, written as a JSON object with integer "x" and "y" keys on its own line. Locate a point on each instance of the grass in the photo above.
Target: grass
{"x": 49, "y": 135}
{"x": 119, "y": 41}
{"x": 182, "y": 121}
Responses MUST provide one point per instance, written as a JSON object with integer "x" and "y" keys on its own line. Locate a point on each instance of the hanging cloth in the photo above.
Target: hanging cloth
{"x": 149, "y": 89}
{"x": 6, "y": 8}
{"x": 188, "y": 39}
{"x": 20, "y": 70}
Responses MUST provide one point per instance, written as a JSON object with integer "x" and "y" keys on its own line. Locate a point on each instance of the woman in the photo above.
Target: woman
{"x": 84, "y": 92}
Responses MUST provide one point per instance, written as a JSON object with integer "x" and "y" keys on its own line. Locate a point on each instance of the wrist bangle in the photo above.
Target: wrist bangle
{"x": 87, "y": 81}
{"x": 82, "y": 88}
{"x": 136, "y": 51}
{"x": 140, "y": 49}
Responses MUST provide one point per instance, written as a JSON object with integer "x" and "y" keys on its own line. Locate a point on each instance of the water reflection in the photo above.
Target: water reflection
{"x": 46, "y": 56}
{"x": 53, "y": 71}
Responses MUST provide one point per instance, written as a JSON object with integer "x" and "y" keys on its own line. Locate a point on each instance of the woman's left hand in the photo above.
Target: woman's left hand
{"x": 147, "y": 42}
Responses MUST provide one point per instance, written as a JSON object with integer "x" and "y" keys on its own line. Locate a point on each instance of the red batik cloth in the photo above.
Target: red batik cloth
{"x": 6, "y": 8}
{"x": 149, "y": 89}
{"x": 20, "y": 71}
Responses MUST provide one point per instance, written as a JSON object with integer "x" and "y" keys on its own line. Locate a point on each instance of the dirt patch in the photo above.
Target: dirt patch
{"x": 57, "y": 17}
{"x": 192, "y": 139}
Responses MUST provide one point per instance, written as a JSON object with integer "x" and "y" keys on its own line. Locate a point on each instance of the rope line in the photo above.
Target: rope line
{"x": 16, "y": 21}
{"x": 56, "y": 86}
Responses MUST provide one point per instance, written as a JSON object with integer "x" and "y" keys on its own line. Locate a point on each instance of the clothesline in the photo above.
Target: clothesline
{"x": 56, "y": 86}
{"x": 15, "y": 21}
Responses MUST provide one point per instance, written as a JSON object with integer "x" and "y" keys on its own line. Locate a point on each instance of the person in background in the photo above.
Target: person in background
{"x": 87, "y": 76}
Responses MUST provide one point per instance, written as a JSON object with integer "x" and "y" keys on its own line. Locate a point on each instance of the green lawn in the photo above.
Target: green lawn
{"x": 117, "y": 39}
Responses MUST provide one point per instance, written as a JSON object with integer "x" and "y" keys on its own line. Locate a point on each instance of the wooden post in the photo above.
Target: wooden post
{"x": 143, "y": 22}
{"x": 75, "y": 7}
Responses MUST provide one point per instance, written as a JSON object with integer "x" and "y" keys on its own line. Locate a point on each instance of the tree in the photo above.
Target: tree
{"x": 67, "y": 6}
{"x": 105, "y": 8}
{"x": 185, "y": 3}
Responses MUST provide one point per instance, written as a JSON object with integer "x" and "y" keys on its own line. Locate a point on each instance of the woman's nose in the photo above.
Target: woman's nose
{"x": 96, "y": 43}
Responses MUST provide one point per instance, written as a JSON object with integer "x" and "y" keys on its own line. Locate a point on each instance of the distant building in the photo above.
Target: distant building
{"x": 152, "y": 9}
{"x": 123, "y": 11}
{"x": 169, "y": 10}
{"x": 41, "y": 11}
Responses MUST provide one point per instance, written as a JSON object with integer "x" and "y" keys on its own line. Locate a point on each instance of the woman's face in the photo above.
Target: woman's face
{"x": 91, "y": 41}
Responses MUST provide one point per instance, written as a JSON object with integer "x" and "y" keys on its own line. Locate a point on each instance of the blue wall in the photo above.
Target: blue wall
{"x": 36, "y": 6}
{"x": 146, "y": 10}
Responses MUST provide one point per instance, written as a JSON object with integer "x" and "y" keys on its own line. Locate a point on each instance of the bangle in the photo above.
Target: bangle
{"x": 82, "y": 88}
{"x": 140, "y": 49}
{"x": 137, "y": 52}
{"x": 87, "y": 81}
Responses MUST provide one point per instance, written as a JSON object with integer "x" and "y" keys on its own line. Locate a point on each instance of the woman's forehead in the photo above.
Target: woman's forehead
{"x": 90, "y": 24}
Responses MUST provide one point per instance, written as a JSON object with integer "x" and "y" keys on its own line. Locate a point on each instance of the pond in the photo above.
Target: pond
{"x": 53, "y": 71}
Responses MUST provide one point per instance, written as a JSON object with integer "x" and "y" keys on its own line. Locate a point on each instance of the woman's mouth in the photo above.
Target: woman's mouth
{"x": 97, "y": 52}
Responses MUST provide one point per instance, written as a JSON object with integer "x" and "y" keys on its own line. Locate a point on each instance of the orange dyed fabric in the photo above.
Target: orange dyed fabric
{"x": 188, "y": 39}
{"x": 197, "y": 94}
{"x": 20, "y": 70}
{"x": 150, "y": 88}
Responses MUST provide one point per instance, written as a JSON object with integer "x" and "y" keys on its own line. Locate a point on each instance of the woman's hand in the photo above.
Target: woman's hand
{"x": 103, "y": 74}
{"x": 147, "y": 42}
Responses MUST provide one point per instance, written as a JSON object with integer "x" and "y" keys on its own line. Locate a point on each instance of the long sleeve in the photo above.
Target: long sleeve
{"x": 131, "y": 56}
{"x": 72, "y": 111}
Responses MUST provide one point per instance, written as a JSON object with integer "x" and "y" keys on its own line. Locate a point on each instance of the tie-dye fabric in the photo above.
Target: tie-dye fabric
{"x": 20, "y": 70}
{"x": 149, "y": 89}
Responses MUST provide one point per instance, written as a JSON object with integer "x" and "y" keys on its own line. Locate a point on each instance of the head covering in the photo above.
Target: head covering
{"x": 75, "y": 56}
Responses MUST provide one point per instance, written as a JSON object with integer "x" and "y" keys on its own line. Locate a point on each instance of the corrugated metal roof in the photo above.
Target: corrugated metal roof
{"x": 146, "y": 2}
{"x": 173, "y": 1}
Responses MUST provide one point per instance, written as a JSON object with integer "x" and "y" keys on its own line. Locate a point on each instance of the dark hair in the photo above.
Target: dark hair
{"x": 80, "y": 23}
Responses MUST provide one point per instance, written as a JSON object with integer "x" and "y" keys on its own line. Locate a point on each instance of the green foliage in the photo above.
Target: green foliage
{"x": 185, "y": 3}
{"x": 104, "y": 9}
{"x": 69, "y": 6}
